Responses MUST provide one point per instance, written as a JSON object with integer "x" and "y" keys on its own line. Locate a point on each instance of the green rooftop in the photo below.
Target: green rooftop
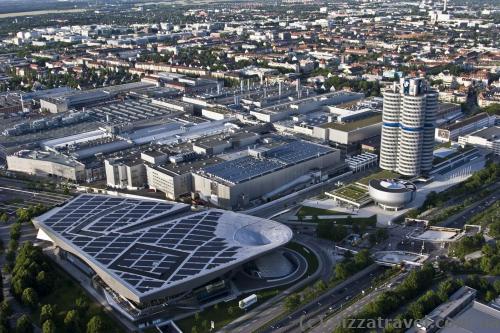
{"x": 350, "y": 126}
{"x": 352, "y": 192}
{"x": 384, "y": 174}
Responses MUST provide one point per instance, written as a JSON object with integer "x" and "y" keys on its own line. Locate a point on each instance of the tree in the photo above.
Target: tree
{"x": 95, "y": 325}
{"x": 496, "y": 286}
{"x": 48, "y": 326}
{"x": 194, "y": 329}
{"x": 4, "y": 218}
{"x": 72, "y": 321}
{"x": 447, "y": 287}
{"x": 320, "y": 286}
{"x": 44, "y": 283}
{"x": 362, "y": 259}
{"x": 46, "y": 313}
{"x": 23, "y": 215}
{"x": 82, "y": 304}
{"x": 12, "y": 246}
{"x": 231, "y": 310}
{"x": 5, "y": 308}
{"x": 292, "y": 302}
{"x": 23, "y": 324}
{"x": 412, "y": 214}
{"x": 30, "y": 297}
{"x": 490, "y": 296}
{"x": 342, "y": 271}
{"x": 15, "y": 231}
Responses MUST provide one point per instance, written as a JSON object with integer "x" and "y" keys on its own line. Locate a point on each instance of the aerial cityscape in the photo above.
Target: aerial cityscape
{"x": 238, "y": 166}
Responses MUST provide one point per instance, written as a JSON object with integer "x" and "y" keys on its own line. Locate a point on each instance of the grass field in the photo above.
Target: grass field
{"x": 361, "y": 222}
{"x": 384, "y": 174}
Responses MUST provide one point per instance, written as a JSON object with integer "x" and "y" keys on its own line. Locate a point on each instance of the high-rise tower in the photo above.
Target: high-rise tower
{"x": 408, "y": 127}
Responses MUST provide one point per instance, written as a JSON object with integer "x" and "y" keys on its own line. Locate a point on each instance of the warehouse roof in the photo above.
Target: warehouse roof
{"x": 279, "y": 157}
{"x": 350, "y": 126}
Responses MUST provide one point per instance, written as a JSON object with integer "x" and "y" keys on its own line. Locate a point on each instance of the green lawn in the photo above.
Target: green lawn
{"x": 312, "y": 261}
{"x": 314, "y": 211}
{"x": 384, "y": 174}
{"x": 352, "y": 192}
{"x": 220, "y": 313}
{"x": 351, "y": 221}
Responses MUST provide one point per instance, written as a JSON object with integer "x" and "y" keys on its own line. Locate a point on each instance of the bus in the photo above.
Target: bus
{"x": 247, "y": 302}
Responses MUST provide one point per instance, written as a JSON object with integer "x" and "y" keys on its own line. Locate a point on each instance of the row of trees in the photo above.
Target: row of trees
{"x": 368, "y": 87}
{"x": 486, "y": 290}
{"x": 479, "y": 179}
{"x": 352, "y": 264}
{"x": 467, "y": 245}
{"x": 489, "y": 219}
{"x": 426, "y": 303}
{"x": 295, "y": 300}
{"x": 23, "y": 215}
{"x": 26, "y": 214}
{"x": 384, "y": 305}
{"x": 33, "y": 278}
{"x": 328, "y": 230}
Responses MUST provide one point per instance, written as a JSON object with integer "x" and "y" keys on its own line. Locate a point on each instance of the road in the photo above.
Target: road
{"x": 460, "y": 219}
{"x": 329, "y": 325}
{"x": 327, "y": 261}
{"x": 327, "y": 302}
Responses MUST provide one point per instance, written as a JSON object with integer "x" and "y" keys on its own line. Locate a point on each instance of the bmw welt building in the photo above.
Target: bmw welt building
{"x": 145, "y": 254}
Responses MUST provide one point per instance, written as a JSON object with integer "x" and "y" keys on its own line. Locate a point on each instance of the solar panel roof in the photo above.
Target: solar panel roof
{"x": 249, "y": 167}
{"x": 149, "y": 245}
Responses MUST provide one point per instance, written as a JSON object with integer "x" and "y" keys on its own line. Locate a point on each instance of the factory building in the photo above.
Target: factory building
{"x": 355, "y": 131}
{"x": 175, "y": 179}
{"x": 265, "y": 172}
{"x": 125, "y": 173}
{"x": 41, "y": 163}
{"x": 488, "y": 138}
{"x": 463, "y": 127}
{"x": 303, "y": 105}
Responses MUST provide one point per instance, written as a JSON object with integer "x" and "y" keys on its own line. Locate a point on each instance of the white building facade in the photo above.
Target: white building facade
{"x": 408, "y": 127}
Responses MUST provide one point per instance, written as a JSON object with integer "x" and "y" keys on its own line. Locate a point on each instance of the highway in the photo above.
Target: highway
{"x": 327, "y": 302}
{"x": 329, "y": 324}
{"x": 460, "y": 219}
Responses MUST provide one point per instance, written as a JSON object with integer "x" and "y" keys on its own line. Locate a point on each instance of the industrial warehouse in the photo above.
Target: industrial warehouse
{"x": 265, "y": 172}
